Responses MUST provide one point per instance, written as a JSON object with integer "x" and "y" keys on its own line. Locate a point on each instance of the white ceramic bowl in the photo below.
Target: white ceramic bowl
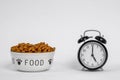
{"x": 32, "y": 61}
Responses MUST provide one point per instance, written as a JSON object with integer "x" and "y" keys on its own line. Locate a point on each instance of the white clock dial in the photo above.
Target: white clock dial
{"x": 92, "y": 55}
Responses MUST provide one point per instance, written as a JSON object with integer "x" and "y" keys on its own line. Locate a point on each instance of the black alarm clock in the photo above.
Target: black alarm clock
{"x": 92, "y": 54}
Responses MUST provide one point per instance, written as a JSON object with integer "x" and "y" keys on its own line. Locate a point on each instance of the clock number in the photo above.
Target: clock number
{"x": 87, "y": 47}
{"x": 82, "y": 55}
{"x": 84, "y": 50}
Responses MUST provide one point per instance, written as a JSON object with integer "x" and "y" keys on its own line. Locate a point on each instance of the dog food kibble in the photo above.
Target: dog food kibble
{"x": 32, "y": 48}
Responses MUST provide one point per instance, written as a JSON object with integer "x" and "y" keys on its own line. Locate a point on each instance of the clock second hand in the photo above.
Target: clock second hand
{"x": 93, "y": 55}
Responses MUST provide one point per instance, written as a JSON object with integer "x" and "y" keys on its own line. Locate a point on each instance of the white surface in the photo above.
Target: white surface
{"x": 59, "y": 23}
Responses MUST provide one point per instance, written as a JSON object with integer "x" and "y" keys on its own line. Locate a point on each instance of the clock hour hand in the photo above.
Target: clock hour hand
{"x": 93, "y": 55}
{"x": 94, "y": 58}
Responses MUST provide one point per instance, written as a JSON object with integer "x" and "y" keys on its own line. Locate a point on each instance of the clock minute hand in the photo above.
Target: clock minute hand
{"x": 93, "y": 54}
{"x": 92, "y": 51}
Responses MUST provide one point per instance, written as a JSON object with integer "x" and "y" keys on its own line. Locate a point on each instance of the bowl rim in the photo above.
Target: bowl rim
{"x": 32, "y": 53}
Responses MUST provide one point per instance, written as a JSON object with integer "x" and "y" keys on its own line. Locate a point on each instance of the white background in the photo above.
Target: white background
{"x": 59, "y": 23}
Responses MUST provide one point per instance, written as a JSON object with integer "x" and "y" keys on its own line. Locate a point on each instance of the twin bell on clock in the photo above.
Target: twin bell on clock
{"x": 92, "y": 54}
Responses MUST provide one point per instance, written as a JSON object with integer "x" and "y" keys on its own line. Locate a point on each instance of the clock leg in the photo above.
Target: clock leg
{"x": 101, "y": 69}
{"x": 84, "y": 69}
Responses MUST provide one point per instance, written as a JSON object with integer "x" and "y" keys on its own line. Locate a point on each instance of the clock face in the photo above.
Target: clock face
{"x": 92, "y": 55}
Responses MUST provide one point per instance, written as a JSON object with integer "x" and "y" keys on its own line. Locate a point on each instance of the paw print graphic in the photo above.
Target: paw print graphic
{"x": 19, "y": 61}
{"x": 50, "y": 61}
